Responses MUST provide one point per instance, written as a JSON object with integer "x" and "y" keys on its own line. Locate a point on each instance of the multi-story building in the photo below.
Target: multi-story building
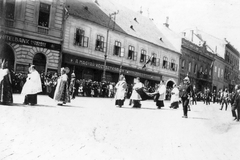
{"x": 232, "y": 66}
{"x": 225, "y": 59}
{"x": 31, "y": 33}
{"x": 101, "y": 36}
{"x": 196, "y": 63}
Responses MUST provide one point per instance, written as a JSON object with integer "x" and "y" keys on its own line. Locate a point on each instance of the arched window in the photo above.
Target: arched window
{"x": 183, "y": 64}
{"x": 195, "y": 68}
{"x": 189, "y": 67}
{"x": 39, "y": 60}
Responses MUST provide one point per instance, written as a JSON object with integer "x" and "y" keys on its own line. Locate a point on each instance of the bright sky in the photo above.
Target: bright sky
{"x": 220, "y": 18}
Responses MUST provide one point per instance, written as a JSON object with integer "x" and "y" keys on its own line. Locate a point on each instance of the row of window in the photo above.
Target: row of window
{"x": 81, "y": 40}
{"x": 7, "y": 10}
{"x": 195, "y": 69}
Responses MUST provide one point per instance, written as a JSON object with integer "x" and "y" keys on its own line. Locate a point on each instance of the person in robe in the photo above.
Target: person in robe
{"x": 120, "y": 87}
{"x": 174, "y": 97}
{"x": 135, "y": 97}
{"x": 162, "y": 94}
{"x": 32, "y": 86}
{"x": 6, "y": 97}
{"x": 61, "y": 94}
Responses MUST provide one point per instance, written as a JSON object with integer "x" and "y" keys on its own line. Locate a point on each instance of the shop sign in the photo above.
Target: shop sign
{"x": 94, "y": 64}
{"x": 30, "y": 42}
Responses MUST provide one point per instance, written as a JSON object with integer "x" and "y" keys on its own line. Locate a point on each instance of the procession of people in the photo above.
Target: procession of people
{"x": 62, "y": 89}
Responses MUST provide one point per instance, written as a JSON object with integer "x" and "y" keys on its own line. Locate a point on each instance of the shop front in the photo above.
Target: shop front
{"x": 85, "y": 68}
{"x": 22, "y": 52}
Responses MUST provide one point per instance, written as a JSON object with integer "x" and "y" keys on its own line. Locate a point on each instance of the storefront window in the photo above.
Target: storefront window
{"x": 44, "y": 15}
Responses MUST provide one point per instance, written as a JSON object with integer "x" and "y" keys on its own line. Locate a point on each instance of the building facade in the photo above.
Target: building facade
{"x": 196, "y": 63}
{"x": 130, "y": 43}
{"x": 31, "y": 33}
{"x": 231, "y": 67}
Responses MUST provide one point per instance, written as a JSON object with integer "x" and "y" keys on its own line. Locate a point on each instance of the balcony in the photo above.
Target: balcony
{"x": 42, "y": 30}
{"x": 9, "y": 22}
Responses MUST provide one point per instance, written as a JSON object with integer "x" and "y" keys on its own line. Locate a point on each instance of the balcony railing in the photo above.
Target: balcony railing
{"x": 42, "y": 30}
{"x": 9, "y": 22}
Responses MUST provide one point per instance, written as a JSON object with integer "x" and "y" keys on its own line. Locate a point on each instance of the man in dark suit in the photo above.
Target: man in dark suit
{"x": 235, "y": 101}
{"x": 185, "y": 94}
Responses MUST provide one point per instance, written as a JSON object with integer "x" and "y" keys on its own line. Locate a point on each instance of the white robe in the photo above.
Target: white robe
{"x": 33, "y": 84}
{"x": 135, "y": 95}
{"x": 174, "y": 95}
{"x": 121, "y": 90}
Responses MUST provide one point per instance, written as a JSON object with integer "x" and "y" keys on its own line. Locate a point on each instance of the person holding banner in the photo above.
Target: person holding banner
{"x": 162, "y": 93}
{"x": 135, "y": 97}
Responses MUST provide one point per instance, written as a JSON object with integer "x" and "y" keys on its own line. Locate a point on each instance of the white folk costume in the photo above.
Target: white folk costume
{"x": 61, "y": 94}
{"x": 32, "y": 87}
{"x": 121, "y": 87}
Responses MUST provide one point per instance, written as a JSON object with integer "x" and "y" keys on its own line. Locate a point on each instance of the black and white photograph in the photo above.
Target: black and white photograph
{"x": 119, "y": 79}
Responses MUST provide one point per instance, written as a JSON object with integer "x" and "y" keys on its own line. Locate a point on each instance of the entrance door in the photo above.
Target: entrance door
{"x": 6, "y": 52}
{"x": 39, "y": 61}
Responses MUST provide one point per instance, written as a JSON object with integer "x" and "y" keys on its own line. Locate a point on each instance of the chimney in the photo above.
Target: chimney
{"x": 192, "y": 35}
{"x": 166, "y": 24}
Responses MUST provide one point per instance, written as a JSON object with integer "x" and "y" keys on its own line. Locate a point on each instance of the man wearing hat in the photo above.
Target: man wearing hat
{"x": 185, "y": 94}
{"x": 72, "y": 85}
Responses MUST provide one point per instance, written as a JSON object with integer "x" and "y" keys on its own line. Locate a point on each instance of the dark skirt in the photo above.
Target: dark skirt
{"x": 30, "y": 99}
{"x": 159, "y": 104}
{"x": 119, "y": 102}
{"x": 175, "y": 105}
{"x": 136, "y": 104}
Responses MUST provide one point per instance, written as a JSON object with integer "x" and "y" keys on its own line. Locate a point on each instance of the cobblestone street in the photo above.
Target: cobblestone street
{"x": 93, "y": 128}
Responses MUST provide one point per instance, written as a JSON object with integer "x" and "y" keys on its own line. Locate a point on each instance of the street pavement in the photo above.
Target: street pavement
{"x": 94, "y": 129}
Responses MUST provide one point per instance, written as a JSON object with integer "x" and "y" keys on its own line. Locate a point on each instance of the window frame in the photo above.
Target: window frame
{"x": 83, "y": 39}
{"x": 117, "y": 45}
{"x": 165, "y": 62}
{"x": 131, "y": 49}
{"x": 49, "y": 16}
{"x": 102, "y": 45}
{"x": 144, "y": 55}
{"x": 154, "y": 59}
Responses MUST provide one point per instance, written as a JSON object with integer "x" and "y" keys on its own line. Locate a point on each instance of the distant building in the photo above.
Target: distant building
{"x": 31, "y": 33}
{"x": 131, "y": 44}
{"x": 225, "y": 59}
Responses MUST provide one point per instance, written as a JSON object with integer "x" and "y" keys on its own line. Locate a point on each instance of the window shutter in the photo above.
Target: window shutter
{"x": 104, "y": 47}
{"x": 122, "y": 52}
{"x": 158, "y": 62}
{"x": 135, "y": 56}
{"x": 176, "y": 67}
{"x": 74, "y": 42}
{"x": 85, "y": 41}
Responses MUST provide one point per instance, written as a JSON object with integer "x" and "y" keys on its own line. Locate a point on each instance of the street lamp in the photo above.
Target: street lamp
{"x": 106, "y": 52}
